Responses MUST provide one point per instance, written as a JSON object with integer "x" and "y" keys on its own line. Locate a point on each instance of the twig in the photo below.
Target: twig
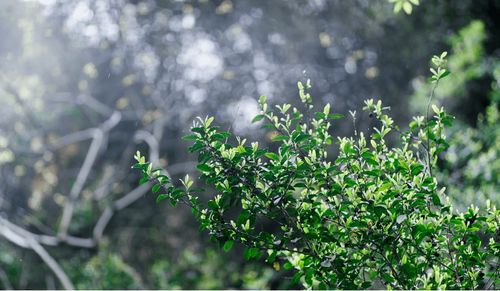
{"x": 429, "y": 164}
{"x": 119, "y": 204}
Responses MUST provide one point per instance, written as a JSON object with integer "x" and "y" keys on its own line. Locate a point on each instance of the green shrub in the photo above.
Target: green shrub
{"x": 372, "y": 216}
{"x": 470, "y": 169}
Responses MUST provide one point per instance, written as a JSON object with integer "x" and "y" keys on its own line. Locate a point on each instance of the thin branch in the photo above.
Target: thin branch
{"x": 25, "y": 239}
{"x": 80, "y": 181}
{"x": 119, "y": 204}
{"x": 52, "y": 264}
{"x": 82, "y": 176}
{"x": 72, "y": 138}
{"x": 429, "y": 163}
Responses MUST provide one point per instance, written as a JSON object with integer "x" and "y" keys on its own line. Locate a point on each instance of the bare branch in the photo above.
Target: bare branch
{"x": 80, "y": 181}
{"x": 52, "y": 264}
{"x": 73, "y": 138}
{"x": 119, "y": 204}
{"x": 25, "y": 239}
{"x": 82, "y": 176}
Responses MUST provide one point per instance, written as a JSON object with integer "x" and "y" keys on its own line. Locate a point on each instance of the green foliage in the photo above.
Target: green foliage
{"x": 210, "y": 270}
{"x": 471, "y": 166}
{"x": 375, "y": 214}
{"x": 405, "y": 5}
{"x": 106, "y": 270}
{"x": 189, "y": 270}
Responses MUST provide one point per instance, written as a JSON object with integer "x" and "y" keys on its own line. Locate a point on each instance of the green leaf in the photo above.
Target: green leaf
{"x": 244, "y": 216}
{"x": 280, "y": 138}
{"x": 177, "y": 193}
{"x": 419, "y": 232}
{"x": 366, "y": 285}
{"x": 190, "y": 137}
{"x": 448, "y": 120}
{"x": 444, "y": 74}
{"x": 262, "y": 99}
{"x": 398, "y": 6}
{"x": 209, "y": 121}
{"x": 156, "y": 188}
{"x": 301, "y": 137}
{"x": 272, "y": 156}
{"x": 228, "y": 245}
{"x": 407, "y": 7}
{"x": 258, "y": 118}
{"x": 349, "y": 182}
{"x": 137, "y": 166}
{"x": 212, "y": 205}
{"x": 347, "y": 148}
{"x": 196, "y": 147}
{"x": 386, "y": 186}
{"x": 219, "y": 136}
{"x": 326, "y": 110}
{"x": 319, "y": 115}
{"x": 161, "y": 197}
{"x": 250, "y": 253}
{"x": 387, "y": 278}
{"x": 368, "y": 155}
{"x": 200, "y": 130}
{"x": 416, "y": 169}
{"x": 296, "y": 278}
{"x": 435, "y": 199}
{"x": 335, "y": 116}
{"x": 144, "y": 180}
{"x": 380, "y": 209}
{"x": 204, "y": 168}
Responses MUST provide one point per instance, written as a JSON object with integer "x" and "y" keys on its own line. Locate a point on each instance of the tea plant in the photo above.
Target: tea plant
{"x": 372, "y": 216}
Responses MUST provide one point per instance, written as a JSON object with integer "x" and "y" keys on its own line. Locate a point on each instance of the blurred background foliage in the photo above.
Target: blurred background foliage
{"x": 471, "y": 166}
{"x": 84, "y": 84}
